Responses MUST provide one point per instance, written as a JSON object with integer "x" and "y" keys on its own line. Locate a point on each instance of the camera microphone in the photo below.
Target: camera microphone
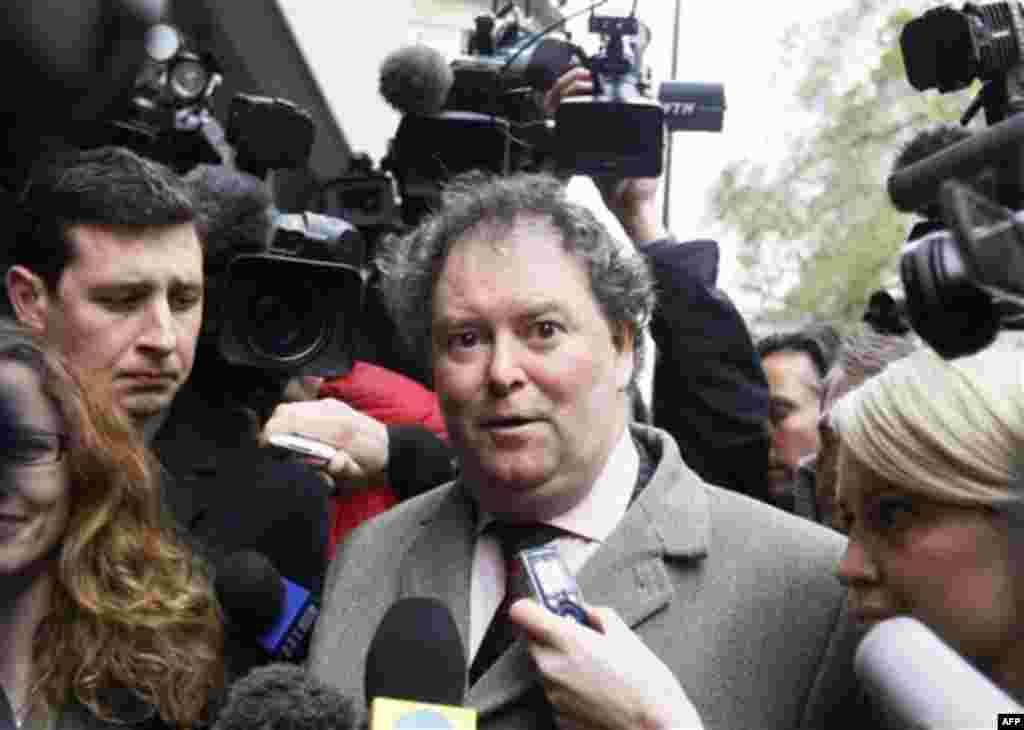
{"x": 266, "y": 607}
{"x": 416, "y": 669}
{"x": 416, "y": 80}
{"x": 925, "y": 682}
{"x": 917, "y": 185}
{"x": 284, "y": 697}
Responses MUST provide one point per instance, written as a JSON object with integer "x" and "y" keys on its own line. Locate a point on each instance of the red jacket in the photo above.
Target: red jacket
{"x": 394, "y": 400}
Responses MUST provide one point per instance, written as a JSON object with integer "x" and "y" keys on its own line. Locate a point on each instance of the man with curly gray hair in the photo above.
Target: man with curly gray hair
{"x": 530, "y": 314}
{"x": 619, "y": 279}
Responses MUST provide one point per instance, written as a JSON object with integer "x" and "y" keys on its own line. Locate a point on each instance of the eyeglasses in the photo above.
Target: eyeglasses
{"x": 29, "y": 447}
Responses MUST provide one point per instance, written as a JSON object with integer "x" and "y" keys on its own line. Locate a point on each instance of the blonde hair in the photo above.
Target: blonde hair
{"x": 947, "y": 430}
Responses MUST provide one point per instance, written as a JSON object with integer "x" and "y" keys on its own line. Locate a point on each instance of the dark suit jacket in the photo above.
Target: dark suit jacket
{"x": 736, "y": 597}
{"x": 710, "y": 392}
{"x": 229, "y": 495}
{"x": 232, "y": 495}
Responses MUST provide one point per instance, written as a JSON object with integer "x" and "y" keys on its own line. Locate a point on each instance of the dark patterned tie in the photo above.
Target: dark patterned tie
{"x": 513, "y": 538}
{"x": 501, "y": 633}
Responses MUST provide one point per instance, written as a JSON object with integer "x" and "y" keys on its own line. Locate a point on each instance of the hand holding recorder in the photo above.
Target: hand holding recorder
{"x": 603, "y": 678}
{"x": 350, "y": 446}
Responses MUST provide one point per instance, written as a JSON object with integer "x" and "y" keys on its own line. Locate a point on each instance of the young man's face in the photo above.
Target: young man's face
{"x": 794, "y": 415}
{"x": 130, "y": 304}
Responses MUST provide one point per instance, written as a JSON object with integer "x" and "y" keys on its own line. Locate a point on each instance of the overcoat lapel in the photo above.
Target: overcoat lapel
{"x": 439, "y": 561}
{"x": 670, "y": 521}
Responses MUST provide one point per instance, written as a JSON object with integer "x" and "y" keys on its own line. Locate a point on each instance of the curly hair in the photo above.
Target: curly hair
{"x": 131, "y": 606}
{"x": 410, "y": 266}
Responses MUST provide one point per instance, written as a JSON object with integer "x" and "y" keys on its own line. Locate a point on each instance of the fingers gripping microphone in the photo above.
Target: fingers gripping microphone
{"x": 927, "y": 684}
{"x": 416, "y": 80}
{"x": 261, "y": 604}
{"x": 416, "y": 669}
{"x": 284, "y": 697}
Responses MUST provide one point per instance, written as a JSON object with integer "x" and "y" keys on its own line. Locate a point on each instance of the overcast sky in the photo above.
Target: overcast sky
{"x": 738, "y": 44}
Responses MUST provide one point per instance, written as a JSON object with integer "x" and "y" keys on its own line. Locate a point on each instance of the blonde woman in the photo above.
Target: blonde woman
{"x": 104, "y": 616}
{"x": 929, "y": 495}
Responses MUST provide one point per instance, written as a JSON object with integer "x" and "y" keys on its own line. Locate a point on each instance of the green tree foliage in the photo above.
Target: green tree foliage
{"x": 817, "y": 232}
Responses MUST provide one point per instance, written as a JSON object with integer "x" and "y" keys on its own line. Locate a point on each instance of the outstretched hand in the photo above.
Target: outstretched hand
{"x": 361, "y": 440}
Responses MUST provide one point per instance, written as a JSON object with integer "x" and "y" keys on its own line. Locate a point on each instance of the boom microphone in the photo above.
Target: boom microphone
{"x": 917, "y": 185}
{"x": 284, "y": 697}
{"x": 416, "y": 669}
{"x": 266, "y": 607}
{"x": 925, "y": 682}
{"x": 416, "y": 80}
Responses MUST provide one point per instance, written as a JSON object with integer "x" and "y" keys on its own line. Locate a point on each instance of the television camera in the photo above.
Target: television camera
{"x": 296, "y": 308}
{"x": 483, "y": 110}
{"x": 963, "y": 276}
{"x": 292, "y": 308}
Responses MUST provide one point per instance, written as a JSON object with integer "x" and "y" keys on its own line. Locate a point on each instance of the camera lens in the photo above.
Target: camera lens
{"x": 290, "y": 315}
{"x": 945, "y": 307}
{"x": 188, "y": 79}
{"x": 287, "y": 326}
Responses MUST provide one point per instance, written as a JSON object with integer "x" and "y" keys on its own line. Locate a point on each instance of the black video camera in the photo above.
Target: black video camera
{"x": 947, "y": 49}
{"x": 296, "y": 309}
{"x": 491, "y": 117}
{"x": 965, "y": 283}
{"x": 964, "y": 276}
{"x": 620, "y": 130}
{"x": 167, "y": 117}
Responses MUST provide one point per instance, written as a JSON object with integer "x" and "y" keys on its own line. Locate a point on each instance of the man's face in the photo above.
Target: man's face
{"x": 129, "y": 303}
{"x": 794, "y": 414}
{"x": 530, "y": 378}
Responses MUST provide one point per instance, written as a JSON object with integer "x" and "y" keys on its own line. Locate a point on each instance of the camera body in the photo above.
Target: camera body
{"x": 963, "y": 277}
{"x": 167, "y": 114}
{"x": 620, "y": 130}
{"x": 964, "y": 283}
{"x": 947, "y": 49}
{"x": 490, "y": 119}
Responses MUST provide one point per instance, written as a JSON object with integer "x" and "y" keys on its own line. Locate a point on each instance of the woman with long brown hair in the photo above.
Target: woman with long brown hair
{"x": 104, "y": 613}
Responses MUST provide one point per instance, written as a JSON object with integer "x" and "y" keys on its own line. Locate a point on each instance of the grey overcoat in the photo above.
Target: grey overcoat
{"x": 736, "y": 597}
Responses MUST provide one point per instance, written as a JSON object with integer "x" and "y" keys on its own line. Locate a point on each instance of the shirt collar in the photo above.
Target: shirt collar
{"x": 597, "y": 514}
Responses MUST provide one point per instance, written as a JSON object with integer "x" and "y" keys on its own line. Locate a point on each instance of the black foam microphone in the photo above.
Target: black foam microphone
{"x": 416, "y": 669}
{"x": 266, "y": 607}
{"x": 284, "y": 697}
{"x": 416, "y": 80}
